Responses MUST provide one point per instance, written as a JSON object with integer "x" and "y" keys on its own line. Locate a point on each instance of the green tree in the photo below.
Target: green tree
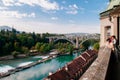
{"x": 70, "y": 48}
{"x": 15, "y": 53}
{"x": 96, "y": 46}
{"x": 42, "y": 48}
{"x": 7, "y": 48}
{"x": 86, "y": 44}
{"x": 30, "y": 42}
{"x": 38, "y": 45}
{"x": 25, "y": 50}
{"x": 23, "y": 39}
{"x": 17, "y": 47}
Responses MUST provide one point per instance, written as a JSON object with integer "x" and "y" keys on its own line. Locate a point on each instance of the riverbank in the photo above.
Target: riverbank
{"x": 20, "y": 56}
{"x": 24, "y": 66}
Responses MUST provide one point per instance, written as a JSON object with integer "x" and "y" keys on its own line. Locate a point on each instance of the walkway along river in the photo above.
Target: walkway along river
{"x": 37, "y": 72}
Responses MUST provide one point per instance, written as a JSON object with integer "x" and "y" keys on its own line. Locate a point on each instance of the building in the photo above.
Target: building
{"x": 110, "y": 21}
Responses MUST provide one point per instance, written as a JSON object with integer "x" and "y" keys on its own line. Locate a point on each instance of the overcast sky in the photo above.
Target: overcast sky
{"x": 53, "y": 16}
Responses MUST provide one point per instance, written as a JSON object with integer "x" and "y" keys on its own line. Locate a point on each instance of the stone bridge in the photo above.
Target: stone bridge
{"x": 71, "y": 40}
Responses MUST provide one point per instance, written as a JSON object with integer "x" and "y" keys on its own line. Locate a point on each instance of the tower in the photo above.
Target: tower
{"x": 110, "y": 21}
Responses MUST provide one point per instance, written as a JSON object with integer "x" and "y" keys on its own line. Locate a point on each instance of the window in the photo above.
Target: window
{"x": 108, "y": 31}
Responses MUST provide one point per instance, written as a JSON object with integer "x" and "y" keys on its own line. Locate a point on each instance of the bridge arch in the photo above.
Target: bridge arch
{"x": 85, "y": 41}
{"x": 66, "y": 40}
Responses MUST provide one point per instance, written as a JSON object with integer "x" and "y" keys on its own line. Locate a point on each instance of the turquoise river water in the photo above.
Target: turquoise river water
{"x": 38, "y": 72}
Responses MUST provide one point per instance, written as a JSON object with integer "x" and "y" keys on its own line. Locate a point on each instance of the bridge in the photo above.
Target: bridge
{"x": 74, "y": 40}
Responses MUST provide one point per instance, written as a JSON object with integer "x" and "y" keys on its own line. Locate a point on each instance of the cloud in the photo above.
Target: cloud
{"x": 28, "y": 2}
{"x": 11, "y": 3}
{"x": 8, "y": 2}
{"x": 72, "y": 12}
{"x": 54, "y": 18}
{"x": 32, "y": 15}
{"x": 3, "y": 8}
{"x": 72, "y": 9}
{"x": 74, "y": 6}
{"x": 15, "y": 14}
{"x": 45, "y": 4}
{"x": 43, "y": 27}
{"x": 71, "y": 21}
{"x": 18, "y": 4}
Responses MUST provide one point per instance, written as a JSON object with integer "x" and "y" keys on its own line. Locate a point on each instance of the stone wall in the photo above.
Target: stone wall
{"x": 98, "y": 69}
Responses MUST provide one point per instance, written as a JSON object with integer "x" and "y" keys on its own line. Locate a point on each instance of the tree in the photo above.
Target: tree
{"x": 15, "y": 53}
{"x": 42, "y": 48}
{"x": 23, "y": 39}
{"x": 25, "y": 50}
{"x": 38, "y": 45}
{"x": 17, "y": 46}
{"x": 30, "y": 42}
{"x": 46, "y": 47}
{"x": 7, "y": 48}
{"x": 86, "y": 44}
{"x": 96, "y": 46}
{"x": 70, "y": 48}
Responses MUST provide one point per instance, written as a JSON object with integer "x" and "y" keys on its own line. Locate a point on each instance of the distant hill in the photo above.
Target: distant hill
{"x": 5, "y": 28}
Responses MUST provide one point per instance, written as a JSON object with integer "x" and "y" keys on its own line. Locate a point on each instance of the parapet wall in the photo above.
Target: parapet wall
{"x": 98, "y": 69}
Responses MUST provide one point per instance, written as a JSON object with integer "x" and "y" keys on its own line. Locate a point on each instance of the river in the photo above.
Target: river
{"x": 37, "y": 72}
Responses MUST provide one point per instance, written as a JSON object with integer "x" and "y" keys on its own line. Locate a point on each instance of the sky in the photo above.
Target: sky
{"x": 52, "y": 16}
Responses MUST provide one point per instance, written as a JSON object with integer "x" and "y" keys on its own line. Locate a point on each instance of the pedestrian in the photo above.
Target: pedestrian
{"x": 109, "y": 43}
{"x": 115, "y": 49}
